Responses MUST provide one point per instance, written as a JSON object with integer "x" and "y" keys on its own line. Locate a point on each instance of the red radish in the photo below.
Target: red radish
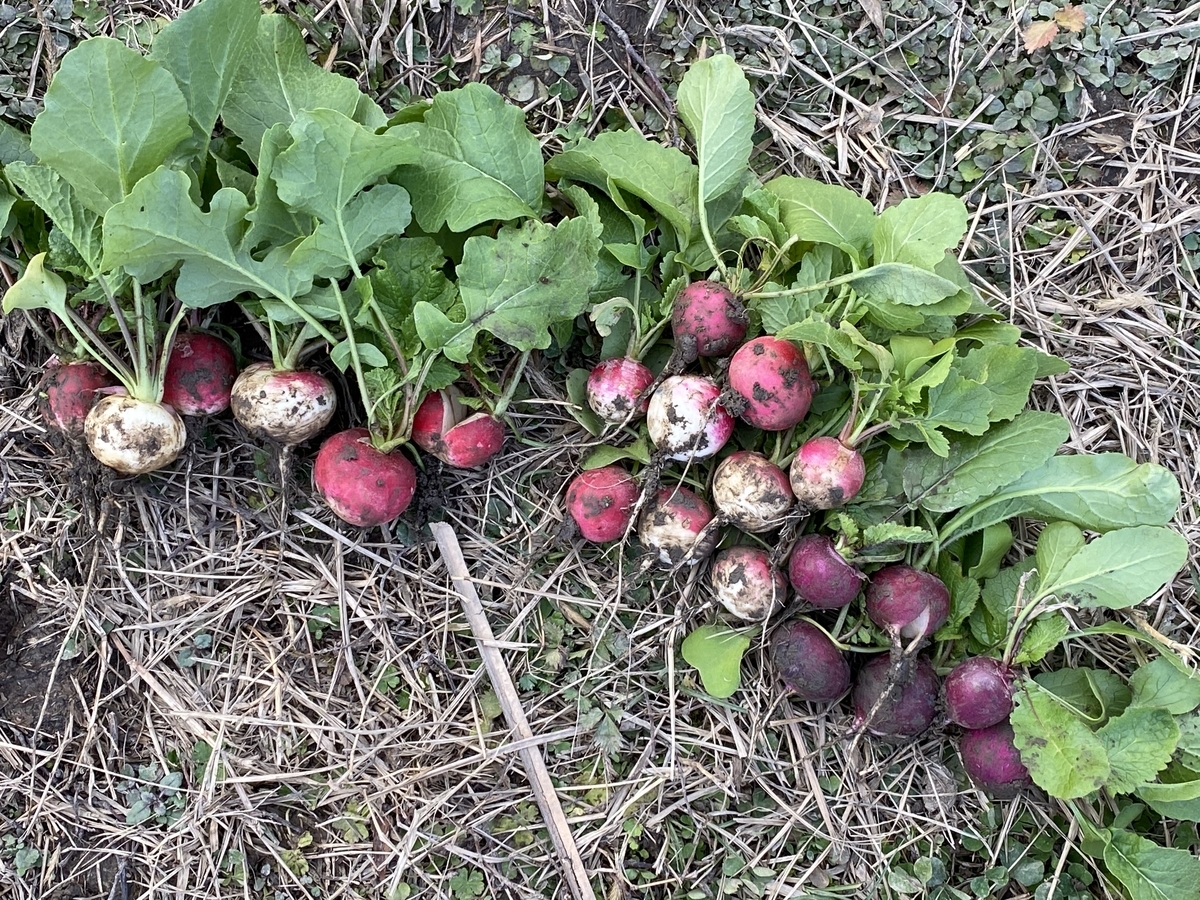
{"x": 200, "y": 375}
{"x": 809, "y": 662}
{"x": 672, "y": 524}
{"x": 910, "y": 705}
{"x": 444, "y": 426}
{"x": 993, "y": 762}
{"x": 134, "y": 436}
{"x": 979, "y": 692}
{"x": 686, "y": 420}
{"x": 707, "y": 319}
{"x": 617, "y": 389}
{"x": 751, "y": 491}
{"x": 70, "y": 391}
{"x": 747, "y": 584}
{"x": 601, "y": 502}
{"x": 282, "y": 405}
{"x": 826, "y": 473}
{"x": 772, "y": 377}
{"x": 820, "y": 575}
{"x": 907, "y": 603}
{"x": 363, "y": 485}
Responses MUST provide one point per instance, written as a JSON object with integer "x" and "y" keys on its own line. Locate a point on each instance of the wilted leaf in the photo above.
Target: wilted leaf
{"x": 1072, "y": 18}
{"x": 1039, "y": 35}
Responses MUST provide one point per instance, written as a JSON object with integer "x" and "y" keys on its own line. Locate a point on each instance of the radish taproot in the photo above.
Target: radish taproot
{"x": 747, "y": 584}
{"x": 134, "y": 436}
{"x": 772, "y": 379}
{"x": 907, "y": 603}
{"x": 809, "y": 662}
{"x": 979, "y": 692}
{"x": 820, "y": 575}
{"x": 751, "y": 492}
{"x": 361, "y": 484}
{"x": 686, "y": 420}
{"x": 69, "y": 392}
{"x": 618, "y": 389}
{"x": 282, "y": 405}
{"x": 991, "y": 759}
{"x": 910, "y": 703}
{"x": 200, "y": 374}
{"x": 707, "y": 319}
{"x": 446, "y": 427}
{"x": 601, "y": 502}
{"x": 825, "y": 473}
{"x": 673, "y": 526}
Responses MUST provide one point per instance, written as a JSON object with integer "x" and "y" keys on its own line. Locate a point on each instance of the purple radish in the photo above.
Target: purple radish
{"x": 907, "y": 603}
{"x": 820, "y": 575}
{"x": 993, "y": 762}
{"x": 671, "y": 527}
{"x": 979, "y": 692}
{"x": 286, "y": 406}
{"x": 616, "y": 390}
{"x": 910, "y": 705}
{"x": 707, "y": 319}
{"x": 747, "y": 584}
{"x": 771, "y": 376}
{"x": 70, "y": 392}
{"x": 457, "y": 435}
{"x": 826, "y": 473}
{"x": 751, "y": 491}
{"x": 809, "y": 662}
{"x": 360, "y": 483}
{"x": 200, "y": 375}
{"x": 601, "y": 502}
{"x": 686, "y": 420}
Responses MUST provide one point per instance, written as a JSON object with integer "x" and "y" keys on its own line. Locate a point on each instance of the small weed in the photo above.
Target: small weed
{"x": 23, "y": 858}
{"x": 151, "y": 794}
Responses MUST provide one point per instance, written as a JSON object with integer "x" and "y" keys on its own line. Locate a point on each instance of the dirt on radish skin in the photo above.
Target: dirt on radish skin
{"x": 617, "y": 390}
{"x": 69, "y": 392}
{"x": 906, "y": 602}
{"x": 820, "y": 575}
{"x": 809, "y": 662}
{"x": 448, "y": 429}
{"x": 133, "y": 436}
{"x": 752, "y": 492}
{"x": 979, "y": 692}
{"x": 825, "y": 473}
{"x": 707, "y": 319}
{"x": 200, "y": 375}
{"x": 910, "y": 706}
{"x": 991, "y": 759}
{"x": 686, "y": 420}
{"x": 601, "y": 502}
{"x": 281, "y": 405}
{"x": 671, "y": 526}
{"x": 747, "y": 584}
{"x": 772, "y": 377}
{"x": 362, "y": 485}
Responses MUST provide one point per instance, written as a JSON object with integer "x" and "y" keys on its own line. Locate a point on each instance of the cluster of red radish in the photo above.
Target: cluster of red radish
{"x": 690, "y": 417}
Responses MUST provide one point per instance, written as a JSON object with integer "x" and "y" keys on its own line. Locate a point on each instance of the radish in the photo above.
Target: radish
{"x": 673, "y": 526}
{"x": 281, "y": 404}
{"x": 771, "y": 377}
{"x": 910, "y": 702}
{"x": 747, "y": 584}
{"x": 200, "y": 375}
{"x": 826, "y": 473}
{"x": 134, "y": 436}
{"x": 444, "y": 426}
{"x": 979, "y": 692}
{"x": 69, "y": 393}
{"x": 707, "y": 319}
{"x": 809, "y": 662}
{"x": 686, "y": 420}
{"x": 991, "y": 759}
{"x": 601, "y": 502}
{"x": 751, "y": 492}
{"x": 820, "y": 575}
{"x": 361, "y": 484}
{"x": 907, "y": 603}
{"x": 618, "y": 390}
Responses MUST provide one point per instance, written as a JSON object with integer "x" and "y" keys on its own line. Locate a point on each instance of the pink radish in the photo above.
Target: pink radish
{"x": 617, "y": 390}
{"x": 686, "y": 420}
{"x": 911, "y": 701}
{"x": 601, "y": 502}
{"x": 70, "y": 392}
{"x": 361, "y": 484}
{"x": 771, "y": 376}
{"x": 826, "y": 473}
{"x": 707, "y": 319}
{"x": 444, "y": 426}
{"x": 979, "y": 692}
{"x": 283, "y": 405}
{"x": 907, "y": 603}
{"x": 990, "y": 757}
{"x": 134, "y": 436}
{"x": 200, "y": 375}
{"x": 809, "y": 662}
{"x": 820, "y": 575}
{"x": 747, "y": 584}
{"x": 673, "y": 524}
{"x": 751, "y": 492}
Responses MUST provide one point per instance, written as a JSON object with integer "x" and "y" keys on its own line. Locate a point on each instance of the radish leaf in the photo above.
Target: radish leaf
{"x": 716, "y": 652}
{"x": 825, "y": 214}
{"x": 1139, "y": 743}
{"x": 59, "y": 201}
{"x": 1120, "y": 568}
{"x": 1064, "y": 758}
{"x": 716, "y": 105}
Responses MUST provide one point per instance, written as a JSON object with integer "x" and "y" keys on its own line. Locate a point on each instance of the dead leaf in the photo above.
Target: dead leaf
{"x": 1039, "y": 35}
{"x": 1123, "y": 300}
{"x": 874, "y": 11}
{"x": 1072, "y": 18}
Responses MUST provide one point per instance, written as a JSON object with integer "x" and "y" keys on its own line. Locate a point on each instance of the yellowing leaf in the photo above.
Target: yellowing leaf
{"x": 1039, "y": 35}
{"x": 1072, "y": 18}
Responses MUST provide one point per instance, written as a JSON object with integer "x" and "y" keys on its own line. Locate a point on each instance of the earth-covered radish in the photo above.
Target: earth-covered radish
{"x": 747, "y": 584}
{"x": 601, "y": 502}
{"x": 617, "y": 389}
{"x": 685, "y": 418}
{"x": 671, "y": 527}
{"x": 200, "y": 374}
{"x": 707, "y": 319}
{"x": 751, "y": 491}
{"x": 910, "y": 705}
{"x": 361, "y": 484}
{"x": 282, "y": 405}
{"x": 991, "y": 759}
{"x": 70, "y": 392}
{"x": 979, "y": 692}
{"x": 907, "y": 603}
{"x": 809, "y": 663}
{"x": 820, "y": 575}
{"x": 446, "y": 427}
{"x": 134, "y": 436}
{"x": 826, "y": 473}
{"x": 771, "y": 376}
